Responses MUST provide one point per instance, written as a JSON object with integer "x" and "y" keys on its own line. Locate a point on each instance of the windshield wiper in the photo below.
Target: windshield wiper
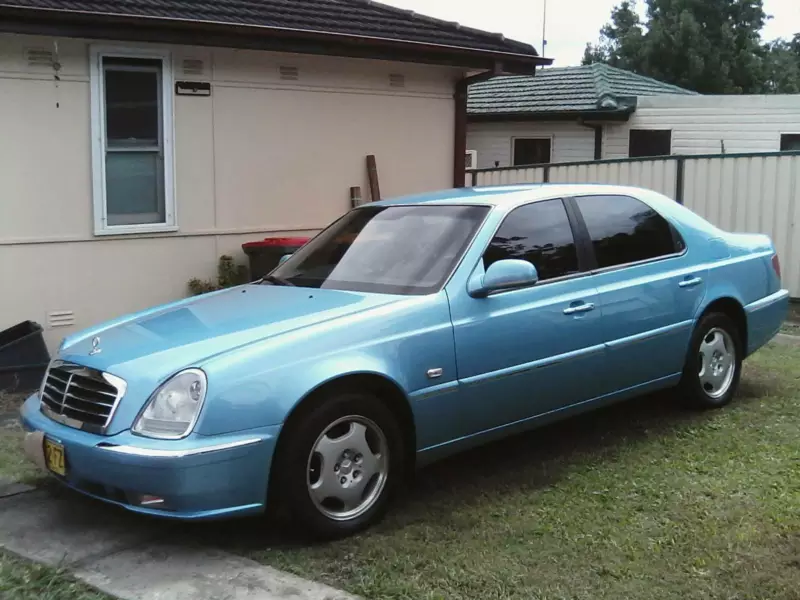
{"x": 277, "y": 281}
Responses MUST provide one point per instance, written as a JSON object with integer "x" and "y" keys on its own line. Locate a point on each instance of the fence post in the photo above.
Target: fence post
{"x": 679, "y": 180}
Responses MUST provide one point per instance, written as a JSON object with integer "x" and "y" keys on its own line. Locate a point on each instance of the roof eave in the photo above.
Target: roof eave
{"x": 56, "y": 22}
{"x": 588, "y": 116}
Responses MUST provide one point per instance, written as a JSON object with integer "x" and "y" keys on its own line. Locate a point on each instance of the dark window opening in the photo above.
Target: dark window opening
{"x": 539, "y": 233}
{"x": 790, "y": 142}
{"x": 531, "y": 151}
{"x": 625, "y": 230}
{"x": 650, "y": 142}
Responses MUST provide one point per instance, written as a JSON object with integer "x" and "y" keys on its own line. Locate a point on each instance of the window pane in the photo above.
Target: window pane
{"x": 531, "y": 151}
{"x": 539, "y": 233}
{"x": 134, "y": 188}
{"x": 132, "y": 104}
{"x": 625, "y": 230}
{"x": 790, "y": 142}
{"x": 393, "y": 250}
{"x": 650, "y": 142}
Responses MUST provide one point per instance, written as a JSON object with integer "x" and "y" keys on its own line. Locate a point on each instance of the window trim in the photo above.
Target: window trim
{"x": 549, "y": 138}
{"x": 587, "y": 238}
{"x": 97, "y": 125}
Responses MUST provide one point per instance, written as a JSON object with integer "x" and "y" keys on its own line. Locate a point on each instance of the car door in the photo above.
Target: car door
{"x": 529, "y": 351}
{"x": 648, "y": 287}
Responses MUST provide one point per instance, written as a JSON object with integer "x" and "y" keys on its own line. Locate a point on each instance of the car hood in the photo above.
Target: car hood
{"x": 150, "y": 346}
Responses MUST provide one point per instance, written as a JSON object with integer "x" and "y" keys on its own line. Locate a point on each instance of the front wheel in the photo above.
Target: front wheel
{"x": 714, "y": 364}
{"x": 340, "y": 464}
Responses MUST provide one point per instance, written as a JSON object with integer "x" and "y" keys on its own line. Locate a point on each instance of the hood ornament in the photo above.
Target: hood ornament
{"x": 95, "y": 346}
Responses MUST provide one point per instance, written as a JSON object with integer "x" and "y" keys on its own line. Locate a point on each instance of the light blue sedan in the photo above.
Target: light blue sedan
{"x": 406, "y": 331}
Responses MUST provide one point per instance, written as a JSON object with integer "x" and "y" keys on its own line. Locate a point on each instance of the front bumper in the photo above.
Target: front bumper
{"x": 199, "y": 477}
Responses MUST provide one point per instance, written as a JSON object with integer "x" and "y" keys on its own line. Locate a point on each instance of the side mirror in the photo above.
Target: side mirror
{"x": 284, "y": 258}
{"x": 508, "y": 274}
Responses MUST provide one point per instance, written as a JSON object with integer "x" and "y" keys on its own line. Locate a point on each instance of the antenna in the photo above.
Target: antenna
{"x": 544, "y": 29}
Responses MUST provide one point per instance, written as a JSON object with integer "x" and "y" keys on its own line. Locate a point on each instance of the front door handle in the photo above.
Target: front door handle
{"x": 686, "y": 283}
{"x": 581, "y": 308}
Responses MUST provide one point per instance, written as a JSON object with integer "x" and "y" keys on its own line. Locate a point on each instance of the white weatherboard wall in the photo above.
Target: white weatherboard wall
{"x": 700, "y": 124}
{"x": 261, "y": 156}
{"x": 494, "y": 141}
{"x": 751, "y": 194}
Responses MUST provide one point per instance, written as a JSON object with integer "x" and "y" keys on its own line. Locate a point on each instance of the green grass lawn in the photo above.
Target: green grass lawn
{"x": 21, "y": 580}
{"x": 642, "y": 500}
{"x": 13, "y": 464}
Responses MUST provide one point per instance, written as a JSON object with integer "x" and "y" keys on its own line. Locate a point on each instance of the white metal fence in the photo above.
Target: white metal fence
{"x": 757, "y": 193}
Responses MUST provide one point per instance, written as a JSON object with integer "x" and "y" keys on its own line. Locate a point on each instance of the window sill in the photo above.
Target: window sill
{"x": 134, "y": 229}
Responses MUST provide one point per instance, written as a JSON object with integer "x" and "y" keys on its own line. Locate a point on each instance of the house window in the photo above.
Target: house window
{"x": 650, "y": 142}
{"x": 132, "y": 142}
{"x": 790, "y": 142}
{"x": 531, "y": 151}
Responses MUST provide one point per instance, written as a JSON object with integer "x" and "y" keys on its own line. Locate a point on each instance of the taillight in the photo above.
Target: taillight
{"x": 776, "y": 264}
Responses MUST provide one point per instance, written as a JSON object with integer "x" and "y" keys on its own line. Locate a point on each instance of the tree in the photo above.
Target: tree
{"x": 710, "y": 46}
{"x": 782, "y": 66}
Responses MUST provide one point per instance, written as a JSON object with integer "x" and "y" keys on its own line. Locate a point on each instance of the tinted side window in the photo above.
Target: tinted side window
{"x": 625, "y": 230}
{"x": 539, "y": 233}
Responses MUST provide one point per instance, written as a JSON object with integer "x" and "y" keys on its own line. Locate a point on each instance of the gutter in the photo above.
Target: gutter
{"x": 145, "y": 28}
{"x": 461, "y": 97}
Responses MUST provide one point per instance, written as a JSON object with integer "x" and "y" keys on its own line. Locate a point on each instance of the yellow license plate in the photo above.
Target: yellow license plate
{"x": 54, "y": 457}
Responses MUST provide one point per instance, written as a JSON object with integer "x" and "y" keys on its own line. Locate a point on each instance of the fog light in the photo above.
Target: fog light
{"x": 147, "y": 500}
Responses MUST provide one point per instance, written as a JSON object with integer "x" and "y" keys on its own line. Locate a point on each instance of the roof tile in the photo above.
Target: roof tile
{"x": 351, "y": 17}
{"x": 567, "y": 89}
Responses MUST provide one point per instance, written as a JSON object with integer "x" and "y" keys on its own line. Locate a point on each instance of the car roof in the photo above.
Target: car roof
{"x": 509, "y": 195}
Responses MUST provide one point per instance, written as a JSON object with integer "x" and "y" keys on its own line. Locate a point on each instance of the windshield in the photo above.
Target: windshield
{"x": 385, "y": 249}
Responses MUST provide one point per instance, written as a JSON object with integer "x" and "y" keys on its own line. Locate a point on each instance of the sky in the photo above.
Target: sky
{"x": 570, "y": 23}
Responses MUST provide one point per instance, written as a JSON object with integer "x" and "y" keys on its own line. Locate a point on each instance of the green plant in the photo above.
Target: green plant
{"x": 229, "y": 274}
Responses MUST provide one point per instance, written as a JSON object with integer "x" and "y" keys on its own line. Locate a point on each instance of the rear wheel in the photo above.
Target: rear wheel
{"x": 340, "y": 464}
{"x": 714, "y": 364}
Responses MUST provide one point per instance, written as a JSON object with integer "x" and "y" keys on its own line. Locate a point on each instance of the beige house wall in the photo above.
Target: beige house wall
{"x": 260, "y": 156}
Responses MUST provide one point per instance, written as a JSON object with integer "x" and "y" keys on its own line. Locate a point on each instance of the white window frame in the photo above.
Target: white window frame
{"x": 98, "y": 119}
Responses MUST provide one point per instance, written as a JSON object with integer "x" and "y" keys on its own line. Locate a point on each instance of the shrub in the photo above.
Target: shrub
{"x": 229, "y": 274}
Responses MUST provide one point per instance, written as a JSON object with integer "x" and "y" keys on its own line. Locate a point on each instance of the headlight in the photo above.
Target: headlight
{"x": 173, "y": 409}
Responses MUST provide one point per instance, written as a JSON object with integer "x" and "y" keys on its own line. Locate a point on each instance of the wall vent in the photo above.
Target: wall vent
{"x": 397, "y": 80}
{"x": 60, "y": 318}
{"x": 193, "y": 66}
{"x": 290, "y": 73}
{"x": 39, "y": 57}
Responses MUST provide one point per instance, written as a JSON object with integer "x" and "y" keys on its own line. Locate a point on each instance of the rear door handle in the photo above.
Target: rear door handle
{"x": 691, "y": 282}
{"x": 581, "y": 308}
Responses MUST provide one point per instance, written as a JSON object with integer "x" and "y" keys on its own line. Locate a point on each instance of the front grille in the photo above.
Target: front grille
{"x": 80, "y": 397}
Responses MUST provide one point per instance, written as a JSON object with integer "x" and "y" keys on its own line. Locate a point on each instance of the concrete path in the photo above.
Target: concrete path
{"x": 135, "y": 558}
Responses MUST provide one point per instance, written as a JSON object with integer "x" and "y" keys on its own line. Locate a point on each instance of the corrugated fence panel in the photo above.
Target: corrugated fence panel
{"x": 751, "y": 194}
{"x": 506, "y": 176}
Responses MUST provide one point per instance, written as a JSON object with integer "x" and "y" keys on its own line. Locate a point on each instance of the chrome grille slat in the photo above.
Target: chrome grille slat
{"x": 85, "y": 412}
{"x": 103, "y": 404}
{"x": 57, "y": 378}
{"x": 76, "y": 382}
{"x": 81, "y": 397}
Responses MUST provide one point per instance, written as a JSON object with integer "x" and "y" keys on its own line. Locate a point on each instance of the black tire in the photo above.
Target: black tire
{"x": 692, "y": 392}
{"x": 290, "y": 481}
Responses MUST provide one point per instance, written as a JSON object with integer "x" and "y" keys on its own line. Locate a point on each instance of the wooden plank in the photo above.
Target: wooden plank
{"x": 372, "y": 173}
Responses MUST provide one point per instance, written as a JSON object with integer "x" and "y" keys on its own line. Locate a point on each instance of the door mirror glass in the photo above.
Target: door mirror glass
{"x": 284, "y": 258}
{"x": 508, "y": 274}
